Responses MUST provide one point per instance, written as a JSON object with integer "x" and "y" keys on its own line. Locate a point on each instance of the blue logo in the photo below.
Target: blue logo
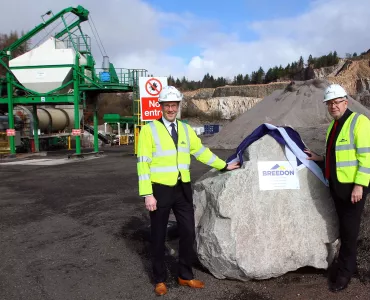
{"x": 278, "y": 170}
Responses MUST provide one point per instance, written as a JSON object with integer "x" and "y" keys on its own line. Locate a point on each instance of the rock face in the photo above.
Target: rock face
{"x": 254, "y": 90}
{"x": 220, "y": 107}
{"x": 227, "y": 102}
{"x": 330, "y": 71}
{"x": 244, "y": 233}
{"x": 365, "y": 99}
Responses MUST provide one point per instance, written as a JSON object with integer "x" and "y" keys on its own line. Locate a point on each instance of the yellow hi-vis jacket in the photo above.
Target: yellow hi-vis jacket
{"x": 158, "y": 160}
{"x": 352, "y": 150}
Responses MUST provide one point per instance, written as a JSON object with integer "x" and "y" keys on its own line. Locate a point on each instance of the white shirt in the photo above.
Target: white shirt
{"x": 167, "y": 124}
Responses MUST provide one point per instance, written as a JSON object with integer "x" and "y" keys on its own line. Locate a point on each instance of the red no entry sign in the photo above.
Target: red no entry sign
{"x": 153, "y": 87}
{"x": 150, "y": 109}
{"x": 10, "y": 132}
{"x": 76, "y": 132}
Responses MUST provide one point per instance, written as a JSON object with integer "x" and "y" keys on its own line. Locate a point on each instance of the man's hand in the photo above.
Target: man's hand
{"x": 313, "y": 156}
{"x": 357, "y": 193}
{"x": 233, "y": 166}
{"x": 150, "y": 203}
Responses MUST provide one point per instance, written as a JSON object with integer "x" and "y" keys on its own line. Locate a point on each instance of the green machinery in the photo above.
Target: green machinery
{"x": 71, "y": 79}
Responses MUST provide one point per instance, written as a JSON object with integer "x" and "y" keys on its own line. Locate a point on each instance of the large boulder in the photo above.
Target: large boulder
{"x": 245, "y": 233}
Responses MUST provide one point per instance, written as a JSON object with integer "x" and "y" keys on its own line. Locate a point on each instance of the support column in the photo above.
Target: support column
{"x": 96, "y": 141}
{"x": 119, "y": 133}
{"x": 76, "y": 101}
{"x": 10, "y": 111}
{"x": 36, "y": 129}
{"x": 127, "y": 134}
{"x": 105, "y": 128}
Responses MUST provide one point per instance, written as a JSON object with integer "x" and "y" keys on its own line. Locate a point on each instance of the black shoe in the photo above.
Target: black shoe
{"x": 340, "y": 284}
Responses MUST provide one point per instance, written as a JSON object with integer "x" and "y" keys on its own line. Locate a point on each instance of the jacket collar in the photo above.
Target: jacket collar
{"x": 345, "y": 116}
{"x": 166, "y": 123}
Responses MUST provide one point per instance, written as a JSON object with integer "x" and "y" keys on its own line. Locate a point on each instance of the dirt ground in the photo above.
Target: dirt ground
{"x": 78, "y": 231}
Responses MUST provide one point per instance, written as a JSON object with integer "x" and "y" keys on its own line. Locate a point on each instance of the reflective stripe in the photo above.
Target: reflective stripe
{"x": 143, "y": 159}
{"x": 352, "y": 129}
{"x": 363, "y": 150}
{"x": 197, "y": 154}
{"x": 164, "y": 153}
{"x": 344, "y": 147}
{"x": 184, "y": 167}
{"x": 156, "y": 137}
{"x": 144, "y": 177}
{"x": 352, "y": 163}
{"x": 364, "y": 170}
{"x": 351, "y": 144}
{"x": 184, "y": 150}
{"x": 212, "y": 160}
{"x": 163, "y": 169}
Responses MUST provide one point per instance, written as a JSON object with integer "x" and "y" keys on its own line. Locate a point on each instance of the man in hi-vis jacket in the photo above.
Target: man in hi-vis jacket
{"x": 347, "y": 168}
{"x": 163, "y": 166}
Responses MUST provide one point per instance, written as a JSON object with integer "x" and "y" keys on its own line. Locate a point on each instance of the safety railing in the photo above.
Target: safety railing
{"x": 129, "y": 77}
{"x": 83, "y": 43}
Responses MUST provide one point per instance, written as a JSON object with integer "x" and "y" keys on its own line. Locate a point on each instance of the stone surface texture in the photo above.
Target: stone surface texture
{"x": 244, "y": 233}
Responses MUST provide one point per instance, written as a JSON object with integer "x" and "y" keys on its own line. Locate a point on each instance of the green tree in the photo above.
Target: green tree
{"x": 7, "y": 40}
{"x": 260, "y": 75}
{"x": 300, "y": 64}
{"x": 310, "y": 60}
{"x": 254, "y": 77}
{"x": 246, "y": 79}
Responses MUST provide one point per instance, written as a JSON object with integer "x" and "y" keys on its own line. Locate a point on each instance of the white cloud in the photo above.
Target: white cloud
{"x": 137, "y": 35}
{"x": 329, "y": 25}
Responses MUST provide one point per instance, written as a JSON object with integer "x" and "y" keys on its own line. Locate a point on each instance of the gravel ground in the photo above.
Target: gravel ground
{"x": 78, "y": 231}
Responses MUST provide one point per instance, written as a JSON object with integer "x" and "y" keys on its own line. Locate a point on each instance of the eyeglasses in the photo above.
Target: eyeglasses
{"x": 170, "y": 106}
{"x": 334, "y": 103}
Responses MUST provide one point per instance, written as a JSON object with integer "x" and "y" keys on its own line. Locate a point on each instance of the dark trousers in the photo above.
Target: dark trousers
{"x": 349, "y": 216}
{"x": 179, "y": 199}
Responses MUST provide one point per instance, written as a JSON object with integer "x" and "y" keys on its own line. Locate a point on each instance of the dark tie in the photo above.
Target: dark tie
{"x": 328, "y": 150}
{"x": 174, "y": 135}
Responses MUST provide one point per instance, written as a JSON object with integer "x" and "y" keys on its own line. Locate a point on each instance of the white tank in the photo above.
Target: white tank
{"x": 105, "y": 63}
{"x": 43, "y": 80}
{"x": 51, "y": 119}
{"x": 56, "y": 119}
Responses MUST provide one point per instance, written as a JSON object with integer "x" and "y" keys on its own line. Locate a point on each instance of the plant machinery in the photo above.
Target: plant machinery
{"x": 60, "y": 73}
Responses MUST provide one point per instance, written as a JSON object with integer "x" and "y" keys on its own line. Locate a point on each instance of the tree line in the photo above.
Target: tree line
{"x": 277, "y": 73}
{"x": 6, "y": 40}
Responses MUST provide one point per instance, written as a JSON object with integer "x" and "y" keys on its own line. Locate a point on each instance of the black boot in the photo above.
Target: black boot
{"x": 340, "y": 284}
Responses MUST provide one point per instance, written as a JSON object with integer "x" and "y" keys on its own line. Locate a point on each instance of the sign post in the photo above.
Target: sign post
{"x": 150, "y": 88}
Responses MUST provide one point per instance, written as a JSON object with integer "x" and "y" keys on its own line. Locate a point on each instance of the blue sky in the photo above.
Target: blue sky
{"x": 235, "y": 11}
{"x": 229, "y": 19}
{"x": 223, "y": 38}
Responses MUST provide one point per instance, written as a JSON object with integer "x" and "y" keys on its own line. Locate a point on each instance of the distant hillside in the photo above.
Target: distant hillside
{"x": 229, "y": 101}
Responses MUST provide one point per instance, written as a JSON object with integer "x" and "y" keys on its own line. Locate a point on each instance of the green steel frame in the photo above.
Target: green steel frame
{"x": 121, "y": 80}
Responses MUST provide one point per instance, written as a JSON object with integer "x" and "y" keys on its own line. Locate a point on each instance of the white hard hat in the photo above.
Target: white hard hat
{"x": 334, "y": 91}
{"x": 169, "y": 94}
